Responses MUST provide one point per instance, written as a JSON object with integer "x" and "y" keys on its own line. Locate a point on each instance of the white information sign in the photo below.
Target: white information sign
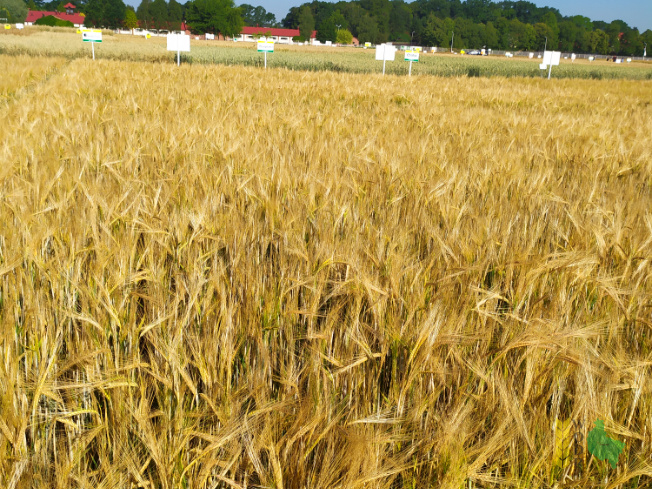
{"x": 20, "y": 26}
{"x": 265, "y": 46}
{"x": 178, "y": 43}
{"x": 92, "y": 36}
{"x": 209, "y": 37}
{"x": 412, "y": 56}
{"x": 384, "y": 53}
{"x": 551, "y": 58}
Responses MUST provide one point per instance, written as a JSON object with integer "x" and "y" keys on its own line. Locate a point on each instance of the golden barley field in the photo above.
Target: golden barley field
{"x": 225, "y": 277}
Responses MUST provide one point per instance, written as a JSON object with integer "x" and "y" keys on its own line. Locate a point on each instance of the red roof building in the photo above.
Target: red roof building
{"x": 249, "y": 33}
{"x": 70, "y": 15}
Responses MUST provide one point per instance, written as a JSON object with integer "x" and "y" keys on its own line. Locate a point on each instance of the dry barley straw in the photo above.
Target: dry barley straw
{"x": 221, "y": 276}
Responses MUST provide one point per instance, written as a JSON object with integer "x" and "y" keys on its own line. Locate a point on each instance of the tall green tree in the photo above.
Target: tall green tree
{"x": 544, "y": 36}
{"x": 502, "y": 28}
{"x": 381, "y": 11}
{"x": 400, "y": 21}
{"x": 306, "y": 22}
{"x": 215, "y": 17}
{"x": 291, "y": 20}
{"x": 434, "y": 32}
{"x": 550, "y": 20}
{"x": 105, "y": 13}
{"x": 353, "y": 14}
{"x": 131, "y": 21}
{"x": 368, "y": 30}
{"x": 175, "y": 15}
{"x": 522, "y": 37}
{"x": 257, "y": 16}
{"x": 598, "y": 42}
{"x": 144, "y": 15}
{"x": 327, "y": 31}
{"x": 13, "y": 10}
{"x": 490, "y": 36}
{"x": 478, "y": 11}
{"x": 158, "y": 9}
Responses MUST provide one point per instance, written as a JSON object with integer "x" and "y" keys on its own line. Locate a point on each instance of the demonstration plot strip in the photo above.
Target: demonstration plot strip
{"x": 219, "y": 276}
{"x": 22, "y": 74}
{"x": 305, "y": 58}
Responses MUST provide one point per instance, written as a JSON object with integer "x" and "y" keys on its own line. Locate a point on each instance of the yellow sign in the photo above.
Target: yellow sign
{"x": 78, "y": 31}
{"x": 7, "y": 26}
{"x": 367, "y": 44}
{"x": 148, "y": 36}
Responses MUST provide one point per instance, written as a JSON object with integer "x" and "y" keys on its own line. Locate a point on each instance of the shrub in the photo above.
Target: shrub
{"x": 473, "y": 71}
{"x": 344, "y": 36}
{"x": 52, "y": 21}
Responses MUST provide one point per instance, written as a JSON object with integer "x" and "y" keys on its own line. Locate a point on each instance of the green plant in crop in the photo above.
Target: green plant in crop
{"x": 602, "y": 447}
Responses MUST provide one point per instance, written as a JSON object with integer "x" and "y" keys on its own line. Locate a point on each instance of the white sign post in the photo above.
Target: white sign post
{"x": 265, "y": 47}
{"x": 411, "y": 56}
{"x": 384, "y": 53}
{"x": 550, "y": 58}
{"x": 178, "y": 43}
{"x": 92, "y": 37}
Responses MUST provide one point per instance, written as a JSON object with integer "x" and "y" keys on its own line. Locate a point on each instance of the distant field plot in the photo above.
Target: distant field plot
{"x": 63, "y": 42}
{"x": 227, "y": 277}
{"x": 19, "y": 73}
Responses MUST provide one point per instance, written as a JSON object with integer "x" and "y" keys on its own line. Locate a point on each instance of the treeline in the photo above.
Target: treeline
{"x": 214, "y": 16}
{"x": 506, "y": 25}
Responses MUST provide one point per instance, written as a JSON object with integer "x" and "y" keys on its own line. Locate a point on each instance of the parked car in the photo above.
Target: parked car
{"x": 475, "y": 52}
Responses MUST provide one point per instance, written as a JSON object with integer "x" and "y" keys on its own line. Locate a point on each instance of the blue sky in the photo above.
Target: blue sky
{"x": 637, "y": 13}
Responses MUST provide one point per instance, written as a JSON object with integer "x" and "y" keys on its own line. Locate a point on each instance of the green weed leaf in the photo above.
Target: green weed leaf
{"x": 602, "y": 447}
